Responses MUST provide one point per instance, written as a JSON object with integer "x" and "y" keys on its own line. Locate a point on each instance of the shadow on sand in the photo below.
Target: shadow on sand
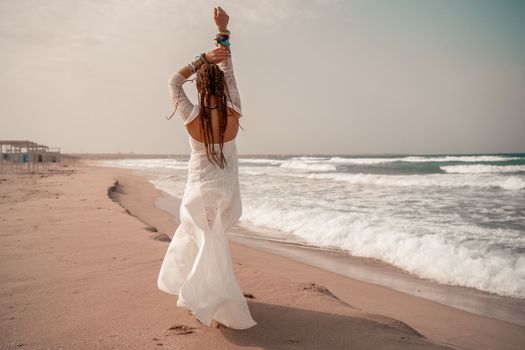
{"x": 282, "y": 327}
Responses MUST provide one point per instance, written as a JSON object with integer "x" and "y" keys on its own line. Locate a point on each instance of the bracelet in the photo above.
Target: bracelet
{"x": 221, "y": 37}
{"x": 199, "y": 60}
{"x": 203, "y": 58}
{"x": 227, "y": 32}
{"x": 195, "y": 65}
{"x": 223, "y": 40}
{"x": 192, "y": 67}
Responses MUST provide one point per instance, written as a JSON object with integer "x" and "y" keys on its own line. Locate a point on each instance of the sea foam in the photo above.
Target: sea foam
{"x": 429, "y": 251}
{"x": 482, "y": 169}
{"x": 310, "y": 166}
{"x": 440, "y": 180}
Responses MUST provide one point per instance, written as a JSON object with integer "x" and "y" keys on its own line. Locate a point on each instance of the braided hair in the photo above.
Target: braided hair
{"x": 210, "y": 81}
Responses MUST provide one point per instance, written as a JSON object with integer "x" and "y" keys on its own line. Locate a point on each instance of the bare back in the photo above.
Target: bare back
{"x": 232, "y": 125}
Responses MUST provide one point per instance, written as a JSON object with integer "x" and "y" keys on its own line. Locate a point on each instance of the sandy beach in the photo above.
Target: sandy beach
{"x": 81, "y": 248}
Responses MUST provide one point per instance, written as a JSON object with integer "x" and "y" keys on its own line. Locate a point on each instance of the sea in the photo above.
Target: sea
{"x": 454, "y": 219}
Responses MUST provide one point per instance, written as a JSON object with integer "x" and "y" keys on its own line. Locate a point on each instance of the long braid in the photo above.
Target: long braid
{"x": 206, "y": 126}
{"x": 210, "y": 81}
{"x": 223, "y": 112}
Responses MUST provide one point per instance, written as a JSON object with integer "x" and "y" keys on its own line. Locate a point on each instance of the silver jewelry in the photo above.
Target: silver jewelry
{"x": 192, "y": 67}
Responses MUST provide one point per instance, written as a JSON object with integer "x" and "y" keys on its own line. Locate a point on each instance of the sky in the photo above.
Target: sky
{"x": 316, "y": 77}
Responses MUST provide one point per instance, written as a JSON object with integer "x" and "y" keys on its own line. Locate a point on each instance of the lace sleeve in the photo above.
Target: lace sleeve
{"x": 227, "y": 67}
{"x": 185, "y": 108}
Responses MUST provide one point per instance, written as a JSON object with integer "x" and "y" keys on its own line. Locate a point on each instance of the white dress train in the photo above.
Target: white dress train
{"x": 197, "y": 266}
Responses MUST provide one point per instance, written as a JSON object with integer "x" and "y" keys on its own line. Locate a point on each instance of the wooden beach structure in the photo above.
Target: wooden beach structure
{"x": 27, "y": 156}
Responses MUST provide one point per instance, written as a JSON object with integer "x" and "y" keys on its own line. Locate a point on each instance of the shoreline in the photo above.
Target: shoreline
{"x": 370, "y": 270}
{"x": 373, "y": 271}
{"x": 80, "y": 272}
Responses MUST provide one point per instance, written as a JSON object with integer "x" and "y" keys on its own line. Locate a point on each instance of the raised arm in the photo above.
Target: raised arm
{"x": 232, "y": 92}
{"x": 221, "y": 56}
{"x": 233, "y": 99}
{"x": 181, "y": 102}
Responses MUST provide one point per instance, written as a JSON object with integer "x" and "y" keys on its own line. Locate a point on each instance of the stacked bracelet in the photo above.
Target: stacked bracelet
{"x": 222, "y": 39}
{"x": 192, "y": 67}
{"x": 199, "y": 61}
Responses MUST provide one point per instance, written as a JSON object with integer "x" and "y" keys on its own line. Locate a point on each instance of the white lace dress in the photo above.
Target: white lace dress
{"x": 197, "y": 266}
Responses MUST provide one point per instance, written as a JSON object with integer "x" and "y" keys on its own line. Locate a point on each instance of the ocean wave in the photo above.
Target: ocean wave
{"x": 260, "y": 161}
{"x": 146, "y": 163}
{"x": 419, "y": 159}
{"x": 482, "y": 169}
{"x": 310, "y": 166}
{"x": 252, "y": 173}
{"x": 459, "y": 159}
{"x": 362, "y": 161}
{"x": 309, "y": 158}
{"x": 443, "y": 180}
{"x": 438, "y": 252}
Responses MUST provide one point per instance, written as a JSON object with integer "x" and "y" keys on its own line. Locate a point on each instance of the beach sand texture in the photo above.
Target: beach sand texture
{"x": 79, "y": 271}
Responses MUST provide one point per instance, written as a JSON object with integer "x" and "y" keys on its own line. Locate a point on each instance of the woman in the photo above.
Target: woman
{"x": 197, "y": 266}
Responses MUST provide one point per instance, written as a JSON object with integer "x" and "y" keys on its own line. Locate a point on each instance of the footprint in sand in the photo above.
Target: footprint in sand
{"x": 181, "y": 329}
{"x": 249, "y": 295}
